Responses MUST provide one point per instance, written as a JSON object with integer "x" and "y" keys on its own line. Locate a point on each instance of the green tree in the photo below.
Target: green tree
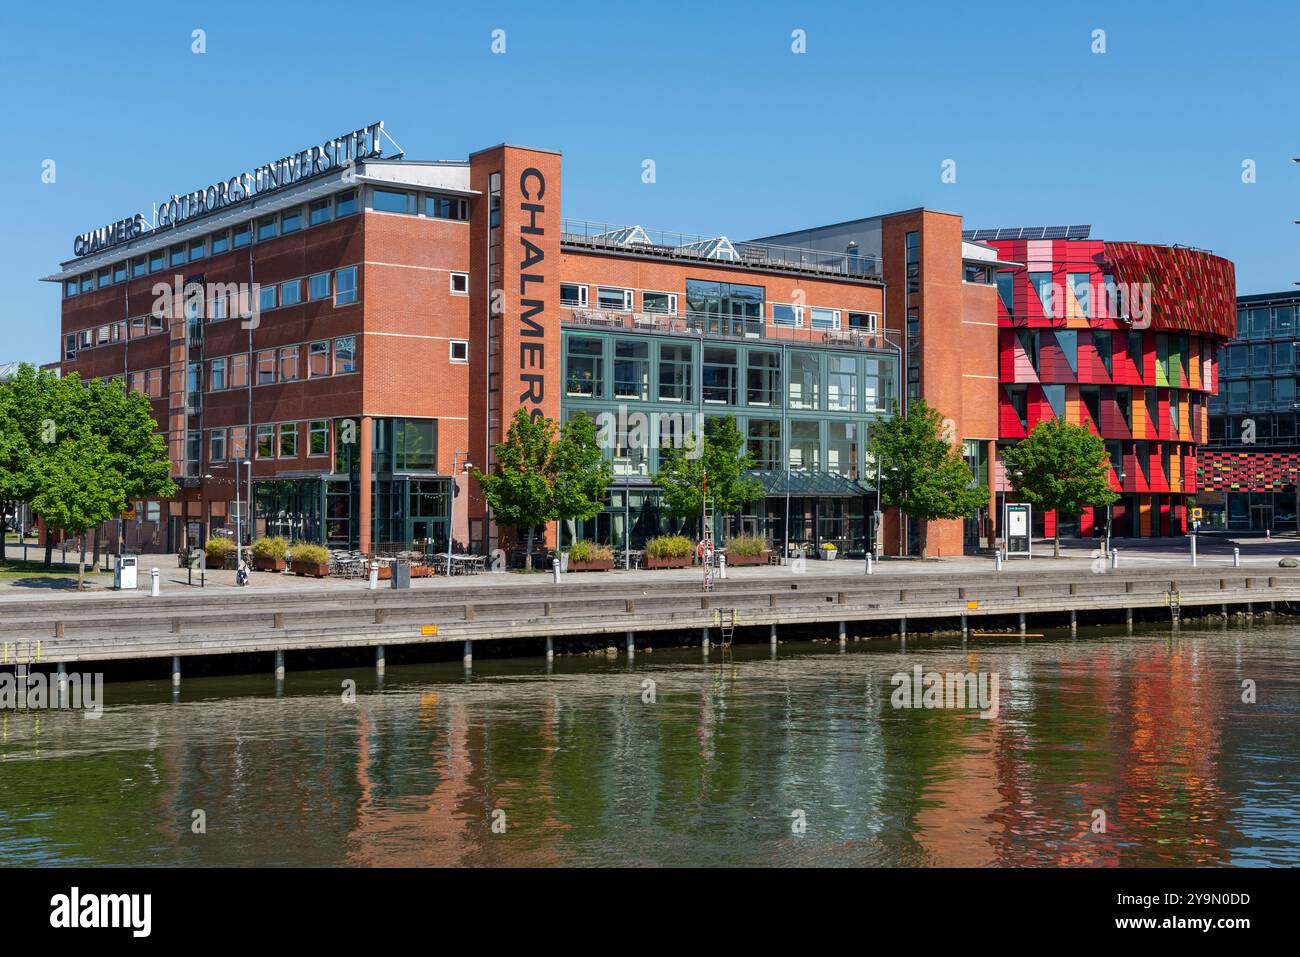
{"x": 724, "y": 456}
{"x": 78, "y": 488}
{"x": 1059, "y": 468}
{"x": 580, "y": 471}
{"x": 922, "y": 472}
{"x": 537, "y": 479}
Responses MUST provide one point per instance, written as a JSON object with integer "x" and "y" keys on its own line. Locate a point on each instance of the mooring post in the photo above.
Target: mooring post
{"x": 1074, "y": 621}
{"x": 964, "y": 629}
{"x": 772, "y": 636}
{"x": 176, "y": 670}
{"x": 631, "y": 644}
{"x": 467, "y": 655}
{"x": 61, "y": 671}
{"x": 1224, "y": 609}
{"x": 1128, "y": 619}
{"x": 380, "y": 658}
{"x": 550, "y": 648}
{"x": 704, "y": 639}
{"x": 279, "y": 666}
{"x": 844, "y": 636}
{"x": 902, "y": 627}
{"x": 1022, "y": 624}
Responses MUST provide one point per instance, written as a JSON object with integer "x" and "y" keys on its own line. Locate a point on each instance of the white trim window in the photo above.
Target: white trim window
{"x": 823, "y": 318}
{"x": 785, "y": 314}
{"x": 460, "y": 284}
{"x": 614, "y": 299}
{"x": 864, "y": 322}
{"x": 659, "y": 303}
{"x": 573, "y": 294}
{"x": 458, "y": 350}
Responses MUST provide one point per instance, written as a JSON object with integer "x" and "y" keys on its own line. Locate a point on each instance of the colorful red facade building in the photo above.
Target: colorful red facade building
{"x": 1120, "y": 337}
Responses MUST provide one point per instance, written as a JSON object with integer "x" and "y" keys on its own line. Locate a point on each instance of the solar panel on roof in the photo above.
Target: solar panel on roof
{"x": 1079, "y": 232}
{"x": 1055, "y": 232}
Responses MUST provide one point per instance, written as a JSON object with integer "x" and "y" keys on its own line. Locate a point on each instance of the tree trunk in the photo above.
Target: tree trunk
{"x": 925, "y": 541}
{"x": 81, "y": 563}
{"x": 49, "y": 546}
{"x": 528, "y": 550}
{"x": 4, "y": 532}
{"x": 94, "y": 561}
{"x": 1056, "y": 545}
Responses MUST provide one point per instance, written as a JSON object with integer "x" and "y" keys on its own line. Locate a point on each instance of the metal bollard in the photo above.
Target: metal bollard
{"x": 869, "y": 569}
{"x": 1114, "y": 558}
{"x": 374, "y": 576}
{"x": 555, "y": 572}
{"x": 1193, "y": 551}
{"x": 997, "y": 560}
{"x": 722, "y": 566}
{"x": 1236, "y": 558}
{"x": 153, "y": 583}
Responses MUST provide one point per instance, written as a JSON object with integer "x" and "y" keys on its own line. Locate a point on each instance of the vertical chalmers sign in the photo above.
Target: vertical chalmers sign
{"x": 533, "y": 250}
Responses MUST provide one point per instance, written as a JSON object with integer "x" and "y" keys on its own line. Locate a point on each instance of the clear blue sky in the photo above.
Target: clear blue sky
{"x": 1145, "y": 141}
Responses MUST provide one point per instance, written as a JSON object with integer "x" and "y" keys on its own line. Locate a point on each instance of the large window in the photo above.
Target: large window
{"x": 805, "y": 445}
{"x": 805, "y": 380}
{"x": 726, "y": 307}
{"x": 572, "y": 294}
{"x": 719, "y": 376}
{"x": 878, "y": 385}
{"x": 659, "y": 303}
{"x": 390, "y": 201}
{"x": 585, "y": 372}
{"x": 825, "y": 318}
{"x": 843, "y": 448}
{"x": 414, "y": 445}
{"x": 763, "y": 439}
{"x": 615, "y": 300}
{"x": 345, "y": 354}
{"x": 345, "y": 286}
{"x": 631, "y": 370}
{"x": 675, "y": 365}
{"x": 763, "y": 378}
{"x": 842, "y": 383}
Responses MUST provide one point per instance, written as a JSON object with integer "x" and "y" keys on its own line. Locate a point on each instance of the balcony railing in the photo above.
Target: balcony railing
{"x": 725, "y": 327}
{"x": 673, "y": 245}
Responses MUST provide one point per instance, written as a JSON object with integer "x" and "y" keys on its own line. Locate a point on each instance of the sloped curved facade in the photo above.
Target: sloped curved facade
{"x": 1122, "y": 338}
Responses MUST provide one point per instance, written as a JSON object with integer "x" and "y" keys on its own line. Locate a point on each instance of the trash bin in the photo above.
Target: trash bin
{"x": 125, "y": 575}
{"x": 401, "y": 575}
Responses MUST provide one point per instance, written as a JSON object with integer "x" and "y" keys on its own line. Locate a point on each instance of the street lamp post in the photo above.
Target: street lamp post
{"x": 1109, "y": 507}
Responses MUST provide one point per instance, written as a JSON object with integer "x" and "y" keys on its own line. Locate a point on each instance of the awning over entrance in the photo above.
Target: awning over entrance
{"x": 810, "y": 483}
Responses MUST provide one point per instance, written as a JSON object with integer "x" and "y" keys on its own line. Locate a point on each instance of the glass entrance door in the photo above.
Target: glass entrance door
{"x": 1261, "y": 516}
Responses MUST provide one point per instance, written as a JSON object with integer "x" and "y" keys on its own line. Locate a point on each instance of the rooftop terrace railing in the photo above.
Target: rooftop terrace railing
{"x": 719, "y": 249}
{"x": 724, "y": 327}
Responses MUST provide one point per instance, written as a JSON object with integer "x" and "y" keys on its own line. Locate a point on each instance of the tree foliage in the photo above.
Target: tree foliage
{"x": 1060, "y": 467}
{"x": 724, "y": 456}
{"x": 922, "y": 470}
{"x": 538, "y": 478}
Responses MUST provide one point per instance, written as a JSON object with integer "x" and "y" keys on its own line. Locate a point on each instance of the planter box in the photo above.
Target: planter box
{"x": 829, "y": 554}
{"x": 269, "y": 564}
{"x": 683, "y": 561}
{"x": 310, "y": 569}
{"x": 421, "y": 571}
{"x": 594, "y": 565}
{"x": 737, "y": 561}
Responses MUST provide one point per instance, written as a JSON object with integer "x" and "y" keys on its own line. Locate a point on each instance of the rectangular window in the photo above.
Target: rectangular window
{"x": 318, "y": 287}
{"x": 88, "y": 281}
{"x": 70, "y": 347}
{"x": 446, "y": 207}
{"x": 459, "y": 350}
{"x": 345, "y": 354}
{"x": 70, "y": 288}
{"x": 138, "y": 330}
{"x": 176, "y": 257}
{"x": 198, "y": 249}
{"x": 460, "y": 284}
{"x": 805, "y": 380}
{"x": 220, "y": 242}
{"x": 217, "y": 445}
{"x": 289, "y": 440}
{"x": 291, "y": 220}
{"x": 319, "y": 212}
{"x": 266, "y": 367}
{"x": 842, "y": 448}
{"x": 675, "y": 366}
{"x": 825, "y": 318}
{"x": 157, "y": 261}
{"x": 718, "y": 378}
{"x": 1081, "y": 286}
{"x": 345, "y": 286}
{"x": 238, "y": 444}
{"x": 266, "y": 228}
{"x": 763, "y": 440}
{"x": 390, "y": 201}
{"x": 787, "y": 315}
{"x": 266, "y": 441}
{"x": 805, "y": 445}
{"x": 616, "y": 300}
{"x": 842, "y": 383}
{"x": 218, "y": 374}
{"x": 878, "y": 385}
{"x": 913, "y": 249}
{"x": 763, "y": 378}
{"x": 291, "y": 292}
{"x": 659, "y": 303}
{"x": 139, "y": 267}
{"x": 241, "y": 235}
{"x": 631, "y": 369}
{"x": 318, "y": 359}
{"x": 318, "y": 437}
{"x": 585, "y": 369}
{"x": 863, "y": 321}
{"x": 266, "y": 297}
{"x": 414, "y": 445}
{"x": 289, "y": 364}
{"x": 119, "y": 272}
{"x": 239, "y": 371}
{"x": 345, "y": 203}
{"x": 572, "y": 294}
